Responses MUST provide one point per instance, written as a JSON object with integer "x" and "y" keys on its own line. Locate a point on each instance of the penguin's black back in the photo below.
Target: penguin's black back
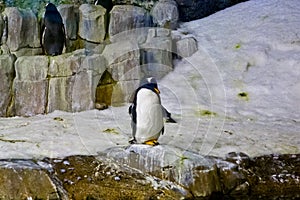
{"x": 53, "y": 31}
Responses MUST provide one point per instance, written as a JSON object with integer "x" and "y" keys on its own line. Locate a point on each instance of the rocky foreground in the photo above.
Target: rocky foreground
{"x": 133, "y": 173}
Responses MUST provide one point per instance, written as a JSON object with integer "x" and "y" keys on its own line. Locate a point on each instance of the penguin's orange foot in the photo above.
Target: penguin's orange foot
{"x": 151, "y": 142}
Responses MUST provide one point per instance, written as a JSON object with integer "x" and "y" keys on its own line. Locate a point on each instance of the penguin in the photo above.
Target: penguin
{"x": 53, "y": 32}
{"x": 146, "y": 114}
{"x": 166, "y": 114}
{"x": 107, "y": 4}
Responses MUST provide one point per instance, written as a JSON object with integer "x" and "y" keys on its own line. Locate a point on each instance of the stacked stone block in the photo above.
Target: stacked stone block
{"x": 125, "y": 46}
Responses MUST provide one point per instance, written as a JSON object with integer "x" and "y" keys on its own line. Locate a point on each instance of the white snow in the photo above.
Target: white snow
{"x": 252, "y": 48}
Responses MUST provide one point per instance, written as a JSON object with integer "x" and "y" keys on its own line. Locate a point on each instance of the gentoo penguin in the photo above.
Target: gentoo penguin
{"x": 166, "y": 114}
{"x": 147, "y": 114}
{"x": 53, "y": 31}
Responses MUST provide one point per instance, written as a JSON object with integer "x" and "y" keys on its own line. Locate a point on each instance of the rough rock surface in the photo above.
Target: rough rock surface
{"x": 186, "y": 47}
{"x": 25, "y": 179}
{"x": 92, "y": 17}
{"x": 73, "y": 81}
{"x": 30, "y": 85}
{"x": 136, "y": 173}
{"x": 124, "y": 18}
{"x": 70, "y": 16}
{"x": 6, "y": 77}
{"x": 149, "y": 53}
{"x": 157, "y": 57}
{"x": 165, "y": 14}
{"x": 23, "y": 28}
{"x": 124, "y": 67}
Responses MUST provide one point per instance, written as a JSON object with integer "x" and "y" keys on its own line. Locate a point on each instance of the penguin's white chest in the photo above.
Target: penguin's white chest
{"x": 149, "y": 116}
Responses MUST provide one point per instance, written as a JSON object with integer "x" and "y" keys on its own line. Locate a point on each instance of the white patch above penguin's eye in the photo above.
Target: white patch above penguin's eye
{"x": 151, "y": 80}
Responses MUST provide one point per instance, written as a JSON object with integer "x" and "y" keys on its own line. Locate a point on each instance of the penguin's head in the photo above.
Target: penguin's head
{"x": 151, "y": 83}
{"x": 51, "y": 7}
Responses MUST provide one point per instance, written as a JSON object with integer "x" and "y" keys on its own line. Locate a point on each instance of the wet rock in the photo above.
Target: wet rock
{"x": 30, "y": 85}
{"x": 7, "y": 74}
{"x": 22, "y": 28}
{"x": 144, "y": 172}
{"x": 197, "y": 174}
{"x": 231, "y": 177}
{"x": 92, "y": 17}
{"x": 125, "y": 18}
{"x": 165, "y": 14}
{"x": 274, "y": 175}
{"x": 24, "y": 179}
{"x": 239, "y": 158}
{"x": 85, "y": 177}
{"x": 203, "y": 176}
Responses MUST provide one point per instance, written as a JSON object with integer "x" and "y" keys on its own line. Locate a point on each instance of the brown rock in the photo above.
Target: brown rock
{"x": 6, "y": 76}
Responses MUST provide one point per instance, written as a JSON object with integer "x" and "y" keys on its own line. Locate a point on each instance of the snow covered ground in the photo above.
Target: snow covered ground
{"x": 239, "y": 92}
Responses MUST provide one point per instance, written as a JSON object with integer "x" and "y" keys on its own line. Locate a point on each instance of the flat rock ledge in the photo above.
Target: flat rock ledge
{"x": 133, "y": 173}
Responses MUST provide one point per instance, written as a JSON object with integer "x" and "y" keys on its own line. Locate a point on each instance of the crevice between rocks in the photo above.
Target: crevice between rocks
{"x": 10, "y": 112}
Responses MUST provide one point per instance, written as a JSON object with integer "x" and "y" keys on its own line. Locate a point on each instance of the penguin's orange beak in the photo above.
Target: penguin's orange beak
{"x": 156, "y": 90}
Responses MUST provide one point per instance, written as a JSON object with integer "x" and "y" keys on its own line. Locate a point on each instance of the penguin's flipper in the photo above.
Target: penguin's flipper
{"x": 151, "y": 142}
{"x": 170, "y": 120}
{"x": 130, "y": 109}
{"x": 167, "y": 115}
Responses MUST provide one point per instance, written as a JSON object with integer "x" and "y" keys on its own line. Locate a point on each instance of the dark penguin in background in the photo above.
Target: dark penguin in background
{"x": 107, "y": 4}
{"x": 147, "y": 114}
{"x": 53, "y": 31}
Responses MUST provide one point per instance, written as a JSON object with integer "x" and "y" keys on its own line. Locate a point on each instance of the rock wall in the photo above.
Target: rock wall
{"x": 105, "y": 57}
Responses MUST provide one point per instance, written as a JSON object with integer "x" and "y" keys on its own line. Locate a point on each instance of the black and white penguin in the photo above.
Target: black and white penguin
{"x": 147, "y": 114}
{"x": 53, "y": 32}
